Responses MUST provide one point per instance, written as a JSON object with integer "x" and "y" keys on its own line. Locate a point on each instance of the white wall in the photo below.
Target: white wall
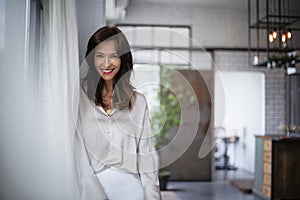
{"x": 244, "y": 112}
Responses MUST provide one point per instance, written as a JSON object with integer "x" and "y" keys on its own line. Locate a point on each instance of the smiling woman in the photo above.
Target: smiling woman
{"x": 110, "y": 61}
{"x": 114, "y": 124}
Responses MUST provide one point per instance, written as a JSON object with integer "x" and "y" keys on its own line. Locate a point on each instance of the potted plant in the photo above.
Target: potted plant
{"x": 163, "y": 176}
{"x": 164, "y": 119}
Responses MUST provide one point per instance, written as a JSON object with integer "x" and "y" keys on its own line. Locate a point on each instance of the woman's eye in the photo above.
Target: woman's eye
{"x": 99, "y": 56}
{"x": 114, "y": 56}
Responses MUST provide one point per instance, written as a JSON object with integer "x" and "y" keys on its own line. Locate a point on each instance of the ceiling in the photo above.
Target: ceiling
{"x": 213, "y": 3}
{"x": 242, "y": 4}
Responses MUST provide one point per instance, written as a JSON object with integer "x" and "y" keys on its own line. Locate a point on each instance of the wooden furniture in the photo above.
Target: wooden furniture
{"x": 277, "y": 167}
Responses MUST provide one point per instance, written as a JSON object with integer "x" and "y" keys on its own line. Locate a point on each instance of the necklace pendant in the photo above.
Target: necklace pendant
{"x": 109, "y": 111}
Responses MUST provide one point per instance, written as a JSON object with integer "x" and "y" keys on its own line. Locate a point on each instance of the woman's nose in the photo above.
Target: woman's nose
{"x": 107, "y": 62}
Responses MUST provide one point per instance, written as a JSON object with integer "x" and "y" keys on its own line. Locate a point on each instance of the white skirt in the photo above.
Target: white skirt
{"x": 119, "y": 185}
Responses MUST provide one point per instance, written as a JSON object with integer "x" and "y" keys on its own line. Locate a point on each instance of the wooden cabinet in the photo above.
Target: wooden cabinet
{"x": 277, "y": 167}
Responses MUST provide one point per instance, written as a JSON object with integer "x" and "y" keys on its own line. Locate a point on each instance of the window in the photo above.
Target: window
{"x": 166, "y": 45}
{"x": 159, "y": 45}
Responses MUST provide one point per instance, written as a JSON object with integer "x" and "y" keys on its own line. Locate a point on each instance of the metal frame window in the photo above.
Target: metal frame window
{"x": 159, "y": 44}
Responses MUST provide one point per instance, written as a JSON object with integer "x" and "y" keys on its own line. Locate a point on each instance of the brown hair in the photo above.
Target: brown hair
{"x": 123, "y": 92}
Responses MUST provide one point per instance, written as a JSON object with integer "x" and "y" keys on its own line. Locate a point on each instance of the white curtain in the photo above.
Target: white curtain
{"x": 59, "y": 92}
{"x": 37, "y": 128}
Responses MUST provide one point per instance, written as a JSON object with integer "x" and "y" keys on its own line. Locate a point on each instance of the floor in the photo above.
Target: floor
{"x": 220, "y": 189}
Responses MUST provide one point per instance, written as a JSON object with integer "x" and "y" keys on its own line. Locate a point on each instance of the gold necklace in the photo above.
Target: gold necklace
{"x": 109, "y": 111}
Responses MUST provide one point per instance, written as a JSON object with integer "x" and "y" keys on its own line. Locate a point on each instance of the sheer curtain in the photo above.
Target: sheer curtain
{"x": 59, "y": 94}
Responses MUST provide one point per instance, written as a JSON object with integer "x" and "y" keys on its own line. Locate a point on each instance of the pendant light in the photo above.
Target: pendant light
{"x": 283, "y": 37}
{"x": 271, "y": 37}
{"x": 289, "y": 34}
{"x": 274, "y": 33}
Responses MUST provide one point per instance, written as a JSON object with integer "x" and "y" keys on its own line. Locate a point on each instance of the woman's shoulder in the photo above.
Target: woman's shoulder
{"x": 140, "y": 99}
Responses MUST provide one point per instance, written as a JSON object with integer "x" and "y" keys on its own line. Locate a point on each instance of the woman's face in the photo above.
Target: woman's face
{"x": 106, "y": 60}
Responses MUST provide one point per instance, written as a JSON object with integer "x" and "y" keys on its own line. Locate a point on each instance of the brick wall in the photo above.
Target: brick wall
{"x": 275, "y": 101}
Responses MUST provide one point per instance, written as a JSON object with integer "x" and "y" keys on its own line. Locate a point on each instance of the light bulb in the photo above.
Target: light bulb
{"x": 271, "y": 39}
{"x": 289, "y": 33}
{"x": 274, "y": 33}
{"x": 283, "y": 37}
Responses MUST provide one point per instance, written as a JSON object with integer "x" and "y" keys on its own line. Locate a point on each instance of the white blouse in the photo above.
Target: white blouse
{"x": 122, "y": 140}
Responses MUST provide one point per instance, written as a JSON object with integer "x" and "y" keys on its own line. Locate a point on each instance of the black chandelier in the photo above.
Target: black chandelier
{"x": 279, "y": 22}
{"x": 275, "y": 27}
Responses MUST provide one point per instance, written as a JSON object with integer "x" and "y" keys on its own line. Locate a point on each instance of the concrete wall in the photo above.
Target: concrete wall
{"x": 211, "y": 26}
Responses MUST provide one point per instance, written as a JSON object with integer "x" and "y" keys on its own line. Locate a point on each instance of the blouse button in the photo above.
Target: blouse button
{"x": 109, "y": 134}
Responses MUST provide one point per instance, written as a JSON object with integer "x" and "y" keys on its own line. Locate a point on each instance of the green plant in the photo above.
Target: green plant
{"x": 166, "y": 117}
{"x": 164, "y": 122}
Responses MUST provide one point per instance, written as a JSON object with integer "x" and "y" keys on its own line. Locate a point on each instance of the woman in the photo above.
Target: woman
{"x": 114, "y": 122}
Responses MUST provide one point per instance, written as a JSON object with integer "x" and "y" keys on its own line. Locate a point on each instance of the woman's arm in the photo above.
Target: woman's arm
{"x": 148, "y": 161}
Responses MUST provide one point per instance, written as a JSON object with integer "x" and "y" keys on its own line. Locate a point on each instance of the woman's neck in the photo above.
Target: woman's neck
{"x": 108, "y": 87}
{"x": 107, "y": 96}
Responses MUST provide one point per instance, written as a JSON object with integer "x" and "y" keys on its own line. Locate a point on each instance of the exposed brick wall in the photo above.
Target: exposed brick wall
{"x": 274, "y": 86}
{"x": 232, "y": 61}
{"x": 275, "y": 101}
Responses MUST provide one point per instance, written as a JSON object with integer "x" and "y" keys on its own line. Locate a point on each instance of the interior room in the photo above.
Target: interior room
{"x": 221, "y": 79}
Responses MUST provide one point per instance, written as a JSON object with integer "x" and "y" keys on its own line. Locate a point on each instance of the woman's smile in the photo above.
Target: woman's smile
{"x": 107, "y": 71}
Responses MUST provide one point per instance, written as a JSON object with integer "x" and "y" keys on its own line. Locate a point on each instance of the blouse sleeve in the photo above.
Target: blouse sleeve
{"x": 148, "y": 161}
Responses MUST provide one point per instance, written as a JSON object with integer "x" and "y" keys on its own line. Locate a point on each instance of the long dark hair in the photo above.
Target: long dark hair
{"x": 123, "y": 92}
